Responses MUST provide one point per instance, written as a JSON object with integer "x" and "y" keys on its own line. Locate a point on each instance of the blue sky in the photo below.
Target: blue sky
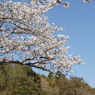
{"x": 79, "y": 23}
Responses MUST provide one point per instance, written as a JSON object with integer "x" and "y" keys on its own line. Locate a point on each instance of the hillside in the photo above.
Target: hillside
{"x": 22, "y": 80}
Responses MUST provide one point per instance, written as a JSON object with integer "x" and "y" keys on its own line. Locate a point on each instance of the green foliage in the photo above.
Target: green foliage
{"x": 22, "y": 80}
{"x": 19, "y": 80}
{"x": 72, "y": 86}
{"x": 50, "y": 75}
{"x": 59, "y": 74}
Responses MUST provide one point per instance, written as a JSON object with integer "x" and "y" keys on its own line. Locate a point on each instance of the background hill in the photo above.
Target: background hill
{"x": 22, "y": 80}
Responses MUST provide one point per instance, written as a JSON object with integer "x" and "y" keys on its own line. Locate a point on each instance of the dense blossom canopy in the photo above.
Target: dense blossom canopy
{"x": 27, "y": 36}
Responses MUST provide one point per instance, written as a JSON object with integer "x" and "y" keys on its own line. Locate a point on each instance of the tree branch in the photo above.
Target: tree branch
{"x": 21, "y": 63}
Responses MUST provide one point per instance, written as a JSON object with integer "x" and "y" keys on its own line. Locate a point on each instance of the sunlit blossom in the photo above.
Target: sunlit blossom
{"x": 87, "y": 1}
{"x": 26, "y": 33}
{"x": 66, "y": 4}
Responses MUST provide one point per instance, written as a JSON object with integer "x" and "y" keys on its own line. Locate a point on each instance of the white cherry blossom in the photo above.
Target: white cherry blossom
{"x": 26, "y": 33}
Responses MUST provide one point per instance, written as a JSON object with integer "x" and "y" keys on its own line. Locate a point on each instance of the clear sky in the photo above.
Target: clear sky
{"x": 79, "y": 23}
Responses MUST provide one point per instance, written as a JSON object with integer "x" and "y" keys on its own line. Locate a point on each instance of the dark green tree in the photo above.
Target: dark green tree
{"x": 19, "y": 80}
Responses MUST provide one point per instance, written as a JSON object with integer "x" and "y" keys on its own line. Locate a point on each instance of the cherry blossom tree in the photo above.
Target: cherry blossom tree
{"x": 27, "y": 36}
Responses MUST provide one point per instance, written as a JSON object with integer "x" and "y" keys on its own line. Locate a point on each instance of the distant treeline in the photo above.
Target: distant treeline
{"x": 22, "y": 80}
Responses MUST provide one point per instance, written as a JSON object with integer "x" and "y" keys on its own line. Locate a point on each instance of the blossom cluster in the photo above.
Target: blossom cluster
{"x": 27, "y": 36}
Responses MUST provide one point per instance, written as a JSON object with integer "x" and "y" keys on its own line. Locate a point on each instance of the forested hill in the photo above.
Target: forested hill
{"x": 21, "y": 80}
